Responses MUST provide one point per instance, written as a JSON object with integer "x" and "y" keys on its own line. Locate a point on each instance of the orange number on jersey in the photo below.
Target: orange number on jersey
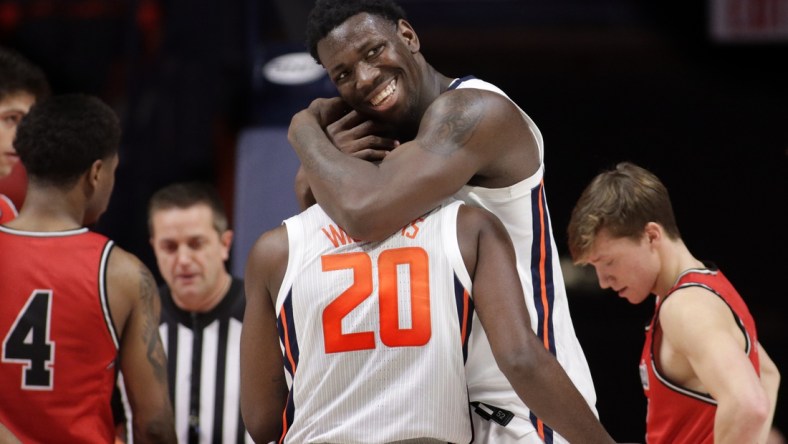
{"x": 335, "y": 340}
{"x": 390, "y": 332}
{"x": 421, "y": 329}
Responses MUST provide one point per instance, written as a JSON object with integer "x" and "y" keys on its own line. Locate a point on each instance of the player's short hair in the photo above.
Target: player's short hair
{"x": 20, "y": 75}
{"x": 622, "y": 201}
{"x": 328, "y": 14}
{"x": 61, "y": 137}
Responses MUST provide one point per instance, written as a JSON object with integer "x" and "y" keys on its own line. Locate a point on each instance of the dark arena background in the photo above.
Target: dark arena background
{"x": 696, "y": 91}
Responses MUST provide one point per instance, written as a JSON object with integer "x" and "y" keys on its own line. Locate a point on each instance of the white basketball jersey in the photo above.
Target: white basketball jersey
{"x": 522, "y": 208}
{"x": 374, "y": 334}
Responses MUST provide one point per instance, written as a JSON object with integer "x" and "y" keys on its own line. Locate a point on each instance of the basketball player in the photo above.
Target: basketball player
{"x": 75, "y": 306}
{"x": 202, "y": 311}
{"x": 21, "y": 84}
{"x": 705, "y": 375}
{"x": 374, "y": 335}
{"x": 459, "y": 137}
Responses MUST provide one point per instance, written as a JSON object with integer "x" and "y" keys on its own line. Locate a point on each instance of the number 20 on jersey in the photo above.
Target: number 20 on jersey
{"x": 391, "y": 334}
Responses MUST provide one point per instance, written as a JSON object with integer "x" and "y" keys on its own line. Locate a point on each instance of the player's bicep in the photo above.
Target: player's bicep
{"x": 417, "y": 176}
{"x": 497, "y": 290}
{"x": 713, "y": 344}
{"x": 142, "y": 358}
{"x": 142, "y": 334}
{"x": 445, "y": 153}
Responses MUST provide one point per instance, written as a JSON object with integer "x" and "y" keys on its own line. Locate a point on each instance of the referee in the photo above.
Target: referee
{"x": 202, "y": 311}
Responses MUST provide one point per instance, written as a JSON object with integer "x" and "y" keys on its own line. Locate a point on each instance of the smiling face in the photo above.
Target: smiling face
{"x": 190, "y": 254}
{"x": 374, "y": 64}
{"x": 12, "y": 108}
{"x": 628, "y": 266}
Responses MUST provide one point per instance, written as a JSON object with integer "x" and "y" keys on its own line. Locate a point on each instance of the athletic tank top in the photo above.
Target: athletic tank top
{"x": 678, "y": 415}
{"x": 7, "y": 209}
{"x": 522, "y": 208}
{"x": 373, "y": 335}
{"x": 59, "y": 344}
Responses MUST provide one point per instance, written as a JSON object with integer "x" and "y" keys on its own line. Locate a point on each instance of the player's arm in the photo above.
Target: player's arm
{"x": 713, "y": 345}
{"x": 135, "y": 305}
{"x": 263, "y": 385}
{"x": 535, "y": 374}
{"x": 303, "y": 191}
{"x": 352, "y": 134}
{"x": 770, "y": 381}
{"x": 461, "y": 133}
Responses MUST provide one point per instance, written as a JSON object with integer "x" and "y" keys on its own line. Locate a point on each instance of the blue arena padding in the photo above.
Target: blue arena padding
{"x": 265, "y": 172}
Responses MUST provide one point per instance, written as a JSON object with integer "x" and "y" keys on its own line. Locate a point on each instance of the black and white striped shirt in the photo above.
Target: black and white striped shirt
{"x": 203, "y": 368}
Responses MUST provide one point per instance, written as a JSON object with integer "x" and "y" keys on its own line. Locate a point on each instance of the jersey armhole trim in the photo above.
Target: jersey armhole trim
{"x": 103, "y": 292}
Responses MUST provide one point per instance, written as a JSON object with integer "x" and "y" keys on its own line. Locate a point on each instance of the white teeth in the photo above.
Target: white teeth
{"x": 383, "y": 95}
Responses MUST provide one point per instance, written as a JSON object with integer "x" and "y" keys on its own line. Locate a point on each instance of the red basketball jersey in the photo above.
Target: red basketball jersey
{"x": 678, "y": 415}
{"x": 59, "y": 344}
{"x": 7, "y": 209}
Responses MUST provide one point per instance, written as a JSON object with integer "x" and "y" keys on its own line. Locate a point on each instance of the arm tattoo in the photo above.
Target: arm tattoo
{"x": 150, "y": 332}
{"x": 459, "y": 117}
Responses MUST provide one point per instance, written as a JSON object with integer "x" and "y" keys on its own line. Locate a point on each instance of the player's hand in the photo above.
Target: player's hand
{"x": 347, "y": 130}
{"x": 311, "y": 122}
{"x": 327, "y": 111}
{"x": 358, "y": 136}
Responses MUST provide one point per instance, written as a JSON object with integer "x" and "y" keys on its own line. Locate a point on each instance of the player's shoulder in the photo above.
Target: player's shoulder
{"x": 492, "y": 112}
{"x": 682, "y": 306}
{"x": 270, "y": 247}
{"x": 126, "y": 270}
{"x": 272, "y": 238}
{"x": 477, "y": 219}
{"x": 472, "y": 97}
{"x": 7, "y": 208}
{"x": 120, "y": 258}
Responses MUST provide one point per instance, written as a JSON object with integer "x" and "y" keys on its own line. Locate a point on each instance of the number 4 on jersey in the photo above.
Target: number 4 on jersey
{"x": 28, "y": 342}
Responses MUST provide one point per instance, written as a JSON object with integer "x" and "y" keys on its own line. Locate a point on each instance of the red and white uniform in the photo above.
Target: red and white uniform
{"x": 59, "y": 344}
{"x": 678, "y": 415}
{"x": 7, "y": 209}
{"x": 373, "y": 335}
